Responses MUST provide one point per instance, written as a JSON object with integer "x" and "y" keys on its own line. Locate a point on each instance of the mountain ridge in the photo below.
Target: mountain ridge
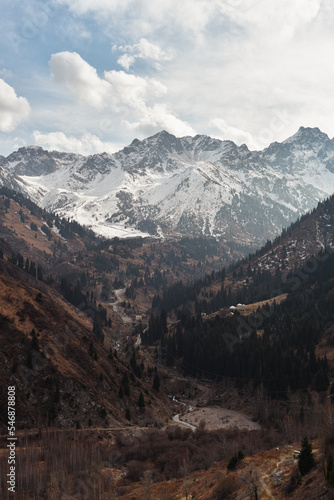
{"x": 164, "y": 185}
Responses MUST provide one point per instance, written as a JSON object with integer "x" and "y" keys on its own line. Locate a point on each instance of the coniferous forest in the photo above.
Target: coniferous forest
{"x": 274, "y": 347}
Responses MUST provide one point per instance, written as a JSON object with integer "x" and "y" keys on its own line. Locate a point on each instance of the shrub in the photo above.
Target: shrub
{"x": 136, "y": 470}
{"x": 295, "y": 480}
{"x": 141, "y": 401}
{"x": 226, "y": 487}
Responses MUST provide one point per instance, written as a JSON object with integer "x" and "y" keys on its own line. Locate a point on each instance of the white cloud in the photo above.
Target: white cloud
{"x": 126, "y": 61}
{"x": 87, "y": 144}
{"x": 134, "y": 91}
{"x": 134, "y": 101}
{"x": 13, "y": 109}
{"x": 278, "y": 18}
{"x": 248, "y": 70}
{"x": 159, "y": 117}
{"x": 142, "y": 50}
{"x": 69, "y": 69}
{"x": 147, "y": 50}
{"x": 193, "y": 17}
{"x": 228, "y": 132}
{"x": 116, "y": 88}
{"x": 272, "y": 60}
{"x": 147, "y": 16}
{"x": 144, "y": 114}
{"x": 240, "y": 62}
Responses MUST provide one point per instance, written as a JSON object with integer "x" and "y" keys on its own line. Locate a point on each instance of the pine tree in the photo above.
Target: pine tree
{"x": 156, "y": 382}
{"x": 20, "y": 261}
{"x": 34, "y": 341}
{"x": 306, "y": 459}
{"x": 98, "y": 327}
{"x": 321, "y": 380}
{"x": 126, "y": 384}
{"x": 163, "y": 319}
{"x": 330, "y": 470}
{"x": 91, "y": 349}
{"x": 141, "y": 401}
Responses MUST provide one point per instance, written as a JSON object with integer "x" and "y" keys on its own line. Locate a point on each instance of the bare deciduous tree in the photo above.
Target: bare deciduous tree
{"x": 252, "y": 479}
{"x": 146, "y": 482}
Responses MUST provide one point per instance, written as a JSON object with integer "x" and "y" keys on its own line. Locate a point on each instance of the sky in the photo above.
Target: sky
{"x": 89, "y": 76}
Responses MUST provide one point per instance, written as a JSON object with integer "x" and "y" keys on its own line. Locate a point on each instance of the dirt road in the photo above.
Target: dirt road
{"x": 115, "y": 305}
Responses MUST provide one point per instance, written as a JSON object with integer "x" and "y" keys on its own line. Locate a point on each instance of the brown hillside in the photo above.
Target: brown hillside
{"x": 69, "y": 378}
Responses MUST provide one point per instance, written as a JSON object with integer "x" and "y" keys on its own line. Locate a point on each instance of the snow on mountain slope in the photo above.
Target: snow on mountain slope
{"x": 191, "y": 185}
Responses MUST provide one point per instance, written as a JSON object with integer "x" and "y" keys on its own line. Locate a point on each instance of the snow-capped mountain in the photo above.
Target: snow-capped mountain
{"x": 190, "y": 185}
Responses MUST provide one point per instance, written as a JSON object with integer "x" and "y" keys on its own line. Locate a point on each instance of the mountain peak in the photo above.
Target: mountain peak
{"x": 308, "y": 134}
{"x": 164, "y": 137}
{"x": 191, "y": 185}
{"x": 163, "y": 134}
{"x": 135, "y": 142}
{"x": 31, "y": 150}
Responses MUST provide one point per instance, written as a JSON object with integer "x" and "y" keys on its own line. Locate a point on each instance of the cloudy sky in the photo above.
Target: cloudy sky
{"x": 91, "y": 75}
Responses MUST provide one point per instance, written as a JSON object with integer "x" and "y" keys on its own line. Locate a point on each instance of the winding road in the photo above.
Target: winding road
{"x": 176, "y": 418}
{"x": 119, "y": 294}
